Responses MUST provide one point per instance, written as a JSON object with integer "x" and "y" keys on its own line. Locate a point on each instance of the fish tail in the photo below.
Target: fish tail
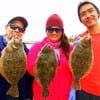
{"x": 13, "y": 91}
{"x": 76, "y": 85}
{"x": 45, "y": 92}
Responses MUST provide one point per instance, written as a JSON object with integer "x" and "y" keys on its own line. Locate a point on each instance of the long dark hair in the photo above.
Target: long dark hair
{"x": 65, "y": 45}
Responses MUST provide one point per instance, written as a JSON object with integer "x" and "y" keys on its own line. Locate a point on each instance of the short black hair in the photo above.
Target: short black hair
{"x": 19, "y": 18}
{"x": 84, "y": 3}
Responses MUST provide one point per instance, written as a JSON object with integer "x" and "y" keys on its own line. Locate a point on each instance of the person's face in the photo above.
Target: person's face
{"x": 54, "y": 34}
{"x": 88, "y": 15}
{"x": 15, "y": 28}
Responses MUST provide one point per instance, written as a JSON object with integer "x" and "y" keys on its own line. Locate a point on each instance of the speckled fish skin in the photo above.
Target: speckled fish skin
{"x": 46, "y": 68}
{"x": 81, "y": 60}
{"x": 13, "y": 64}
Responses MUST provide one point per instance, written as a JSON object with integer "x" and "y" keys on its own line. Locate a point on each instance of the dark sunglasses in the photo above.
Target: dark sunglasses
{"x": 14, "y": 27}
{"x": 57, "y": 30}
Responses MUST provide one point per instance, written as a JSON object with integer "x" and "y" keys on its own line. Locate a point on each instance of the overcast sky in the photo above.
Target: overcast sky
{"x": 37, "y": 12}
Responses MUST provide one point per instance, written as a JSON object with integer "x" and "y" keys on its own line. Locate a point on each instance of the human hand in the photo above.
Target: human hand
{"x": 72, "y": 94}
{"x": 19, "y": 35}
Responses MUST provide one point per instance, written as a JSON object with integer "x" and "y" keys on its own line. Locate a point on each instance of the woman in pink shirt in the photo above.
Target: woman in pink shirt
{"x": 60, "y": 85}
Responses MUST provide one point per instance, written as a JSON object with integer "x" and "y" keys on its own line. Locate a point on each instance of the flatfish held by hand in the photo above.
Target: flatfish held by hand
{"x": 81, "y": 60}
{"x": 13, "y": 64}
{"x": 46, "y": 68}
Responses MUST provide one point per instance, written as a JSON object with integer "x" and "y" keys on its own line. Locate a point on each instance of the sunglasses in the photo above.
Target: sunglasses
{"x": 57, "y": 30}
{"x": 14, "y": 27}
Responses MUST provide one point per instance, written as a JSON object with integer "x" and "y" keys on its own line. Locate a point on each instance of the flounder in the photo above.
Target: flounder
{"x": 46, "y": 68}
{"x": 13, "y": 64}
{"x": 81, "y": 60}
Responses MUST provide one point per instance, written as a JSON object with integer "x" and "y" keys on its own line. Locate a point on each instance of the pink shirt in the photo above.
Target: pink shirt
{"x": 60, "y": 86}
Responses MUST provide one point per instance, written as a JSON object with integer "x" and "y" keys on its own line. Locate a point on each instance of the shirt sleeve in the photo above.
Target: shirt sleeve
{"x": 32, "y": 57}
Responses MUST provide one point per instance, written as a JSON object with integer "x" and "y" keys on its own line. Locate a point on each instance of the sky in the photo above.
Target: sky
{"x": 37, "y": 12}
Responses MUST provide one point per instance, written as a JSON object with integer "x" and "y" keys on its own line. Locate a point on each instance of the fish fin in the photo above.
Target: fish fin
{"x": 76, "y": 85}
{"x": 13, "y": 91}
{"x": 45, "y": 92}
{"x": 2, "y": 72}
